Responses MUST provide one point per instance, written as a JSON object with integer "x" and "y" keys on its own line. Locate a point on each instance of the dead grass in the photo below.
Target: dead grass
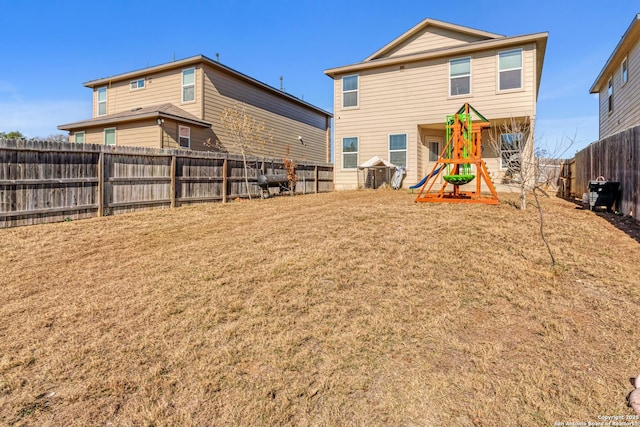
{"x": 349, "y": 308}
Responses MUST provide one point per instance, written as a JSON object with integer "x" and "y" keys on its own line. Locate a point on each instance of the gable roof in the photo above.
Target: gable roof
{"x": 168, "y": 111}
{"x": 193, "y": 60}
{"x": 628, "y": 40}
{"x": 421, "y": 27}
{"x": 486, "y": 41}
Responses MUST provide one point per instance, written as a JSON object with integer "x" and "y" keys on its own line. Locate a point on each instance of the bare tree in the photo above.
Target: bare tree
{"x": 246, "y": 134}
{"x": 533, "y": 170}
{"x": 513, "y": 140}
{"x": 59, "y": 137}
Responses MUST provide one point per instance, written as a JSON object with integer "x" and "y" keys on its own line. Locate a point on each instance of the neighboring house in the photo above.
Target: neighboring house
{"x": 180, "y": 103}
{"x": 618, "y": 84}
{"x": 394, "y": 103}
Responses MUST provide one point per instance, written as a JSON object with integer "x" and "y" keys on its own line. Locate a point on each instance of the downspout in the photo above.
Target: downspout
{"x": 202, "y": 92}
{"x": 161, "y": 123}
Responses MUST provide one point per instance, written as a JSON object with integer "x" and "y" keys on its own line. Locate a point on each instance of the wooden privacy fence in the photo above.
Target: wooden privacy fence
{"x": 616, "y": 158}
{"x": 52, "y": 181}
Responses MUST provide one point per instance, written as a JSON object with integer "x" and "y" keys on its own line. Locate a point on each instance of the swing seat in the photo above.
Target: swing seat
{"x": 459, "y": 179}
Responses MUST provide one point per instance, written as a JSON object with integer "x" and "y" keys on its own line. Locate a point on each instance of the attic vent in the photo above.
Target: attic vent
{"x": 136, "y": 109}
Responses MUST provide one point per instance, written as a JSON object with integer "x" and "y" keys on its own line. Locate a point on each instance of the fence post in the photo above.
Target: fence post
{"x": 100, "y": 190}
{"x": 172, "y": 186}
{"x": 224, "y": 180}
{"x": 315, "y": 179}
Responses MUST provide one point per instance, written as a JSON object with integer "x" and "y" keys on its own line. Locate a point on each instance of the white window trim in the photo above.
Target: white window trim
{"x": 183, "y": 86}
{"x": 179, "y": 129}
{"x": 470, "y": 79}
{"x": 357, "y": 91}
{"x": 106, "y": 97}
{"x": 80, "y": 132}
{"x": 622, "y": 78}
{"x": 406, "y": 149}
{"x": 137, "y": 82}
{"x": 437, "y": 152}
{"x": 357, "y": 153}
{"x": 104, "y": 136}
{"x": 521, "y": 68}
{"x": 514, "y": 151}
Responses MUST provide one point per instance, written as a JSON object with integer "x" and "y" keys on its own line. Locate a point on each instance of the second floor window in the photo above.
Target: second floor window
{"x": 510, "y": 69}
{"x": 189, "y": 85}
{"x": 460, "y": 76}
{"x": 136, "y": 84}
{"x": 624, "y": 71}
{"x": 102, "y": 101}
{"x": 349, "y": 91}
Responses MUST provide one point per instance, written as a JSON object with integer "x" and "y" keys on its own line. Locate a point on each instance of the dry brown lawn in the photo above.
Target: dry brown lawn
{"x": 348, "y": 308}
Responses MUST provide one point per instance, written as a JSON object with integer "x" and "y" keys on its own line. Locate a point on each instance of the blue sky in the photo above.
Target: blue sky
{"x": 49, "y": 48}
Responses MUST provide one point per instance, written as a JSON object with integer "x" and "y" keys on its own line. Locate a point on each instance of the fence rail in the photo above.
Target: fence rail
{"x": 42, "y": 181}
{"x": 616, "y": 158}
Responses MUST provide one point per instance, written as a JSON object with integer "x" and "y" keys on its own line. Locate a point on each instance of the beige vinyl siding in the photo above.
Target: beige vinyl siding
{"x": 626, "y": 110}
{"x": 95, "y": 135}
{"x": 138, "y": 134}
{"x": 395, "y": 100}
{"x": 160, "y": 88}
{"x": 287, "y": 119}
{"x": 422, "y": 156}
{"x": 199, "y": 136}
{"x": 95, "y": 101}
{"x": 432, "y": 38}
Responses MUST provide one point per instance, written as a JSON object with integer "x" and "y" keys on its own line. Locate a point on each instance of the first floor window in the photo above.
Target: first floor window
{"x": 398, "y": 149}
{"x": 184, "y": 136}
{"x": 434, "y": 151}
{"x": 460, "y": 76}
{"x": 189, "y": 85}
{"x": 510, "y": 145}
{"x": 102, "y": 101}
{"x": 349, "y": 153}
{"x": 78, "y": 137}
{"x": 510, "y": 69}
{"x": 110, "y": 136}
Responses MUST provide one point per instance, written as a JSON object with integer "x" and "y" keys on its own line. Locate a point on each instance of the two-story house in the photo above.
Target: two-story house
{"x": 618, "y": 84}
{"x": 394, "y": 103}
{"x": 180, "y": 104}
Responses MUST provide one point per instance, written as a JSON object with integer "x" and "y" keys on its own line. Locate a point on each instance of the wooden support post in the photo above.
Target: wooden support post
{"x": 100, "y": 190}
{"x": 224, "y": 180}
{"x": 172, "y": 186}
{"x": 304, "y": 179}
{"x": 316, "y": 184}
